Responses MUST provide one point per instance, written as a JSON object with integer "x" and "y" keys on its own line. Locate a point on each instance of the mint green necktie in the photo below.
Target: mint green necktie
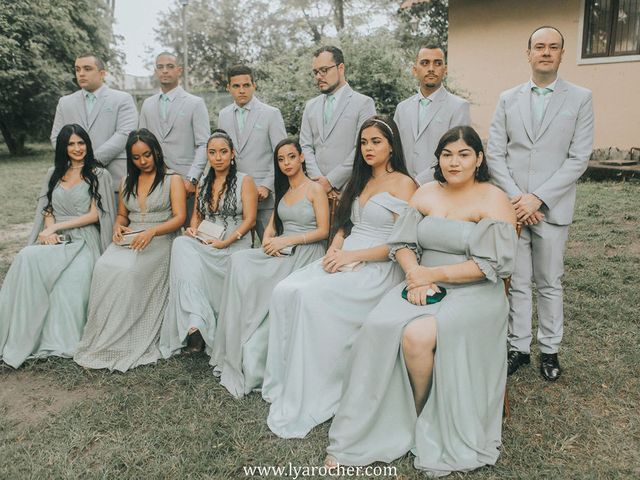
{"x": 328, "y": 108}
{"x": 539, "y": 102}
{"x": 91, "y": 100}
{"x": 240, "y": 115}
{"x": 424, "y": 103}
{"x": 164, "y": 105}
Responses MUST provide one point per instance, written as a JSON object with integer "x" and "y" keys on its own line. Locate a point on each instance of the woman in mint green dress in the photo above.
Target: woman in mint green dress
{"x": 300, "y": 223}
{"x": 228, "y": 199}
{"x": 430, "y": 378}
{"x": 43, "y": 301}
{"x": 130, "y": 284}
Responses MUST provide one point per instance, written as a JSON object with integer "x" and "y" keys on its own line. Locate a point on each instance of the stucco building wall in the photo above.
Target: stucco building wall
{"x": 487, "y": 54}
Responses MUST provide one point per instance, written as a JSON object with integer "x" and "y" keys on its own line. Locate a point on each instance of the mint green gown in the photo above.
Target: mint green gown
{"x": 314, "y": 317}
{"x": 129, "y": 293}
{"x": 459, "y": 428}
{"x": 197, "y": 278}
{"x": 43, "y": 301}
{"x": 240, "y": 346}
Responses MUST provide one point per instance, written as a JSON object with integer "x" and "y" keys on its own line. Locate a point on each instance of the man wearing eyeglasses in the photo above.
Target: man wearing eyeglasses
{"x": 540, "y": 142}
{"x": 331, "y": 121}
{"x": 181, "y": 123}
{"x": 423, "y": 118}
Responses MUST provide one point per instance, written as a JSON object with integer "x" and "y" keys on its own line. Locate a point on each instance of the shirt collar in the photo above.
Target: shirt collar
{"x": 431, "y": 97}
{"x": 551, "y": 86}
{"x": 248, "y": 106}
{"x": 337, "y": 94}
{"x": 171, "y": 94}
{"x": 97, "y": 93}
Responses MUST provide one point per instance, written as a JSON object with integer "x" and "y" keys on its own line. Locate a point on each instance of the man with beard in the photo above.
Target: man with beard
{"x": 331, "y": 121}
{"x": 423, "y": 118}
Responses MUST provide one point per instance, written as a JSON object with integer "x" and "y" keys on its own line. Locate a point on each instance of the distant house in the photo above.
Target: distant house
{"x": 488, "y": 39}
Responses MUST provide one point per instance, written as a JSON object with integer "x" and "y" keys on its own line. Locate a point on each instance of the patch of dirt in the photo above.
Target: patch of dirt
{"x": 27, "y": 398}
{"x": 12, "y": 239}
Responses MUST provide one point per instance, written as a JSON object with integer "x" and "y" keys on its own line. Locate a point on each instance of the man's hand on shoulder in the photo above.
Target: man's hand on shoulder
{"x": 188, "y": 186}
{"x": 263, "y": 193}
{"x": 324, "y": 183}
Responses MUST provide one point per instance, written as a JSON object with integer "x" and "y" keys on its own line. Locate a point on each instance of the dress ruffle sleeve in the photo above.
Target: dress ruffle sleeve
{"x": 405, "y": 233}
{"x": 492, "y": 245}
{"x": 107, "y": 216}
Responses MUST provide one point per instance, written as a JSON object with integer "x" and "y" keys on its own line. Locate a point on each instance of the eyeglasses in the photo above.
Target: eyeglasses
{"x": 322, "y": 71}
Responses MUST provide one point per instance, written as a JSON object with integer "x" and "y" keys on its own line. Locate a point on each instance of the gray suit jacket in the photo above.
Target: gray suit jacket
{"x": 112, "y": 118}
{"x": 329, "y": 150}
{"x": 184, "y": 141}
{"x": 446, "y": 111}
{"x": 263, "y": 129}
{"x": 547, "y": 164}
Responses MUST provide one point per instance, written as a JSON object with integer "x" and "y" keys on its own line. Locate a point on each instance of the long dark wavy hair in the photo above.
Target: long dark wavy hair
{"x": 62, "y": 162}
{"x": 362, "y": 172}
{"x": 230, "y": 203}
{"x": 281, "y": 181}
{"x": 469, "y": 136}
{"x": 133, "y": 173}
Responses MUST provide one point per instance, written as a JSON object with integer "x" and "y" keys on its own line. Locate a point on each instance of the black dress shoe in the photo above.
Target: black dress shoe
{"x": 550, "y": 366}
{"x": 515, "y": 359}
{"x": 195, "y": 343}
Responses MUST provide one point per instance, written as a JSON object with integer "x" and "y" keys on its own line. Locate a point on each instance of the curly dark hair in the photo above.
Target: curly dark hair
{"x": 362, "y": 172}
{"x": 469, "y": 136}
{"x": 62, "y": 162}
{"x": 230, "y": 203}
{"x": 133, "y": 173}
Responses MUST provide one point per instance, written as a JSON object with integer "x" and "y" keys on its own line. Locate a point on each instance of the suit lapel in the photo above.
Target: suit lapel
{"x": 252, "y": 116}
{"x": 82, "y": 109}
{"x": 97, "y": 107}
{"x": 414, "y": 113}
{"x": 337, "y": 111}
{"x": 176, "y": 107}
{"x": 156, "y": 115}
{"x": 524, "y": 103}
{"x": 432, "y": 109}
{"x": 555, "y": 103}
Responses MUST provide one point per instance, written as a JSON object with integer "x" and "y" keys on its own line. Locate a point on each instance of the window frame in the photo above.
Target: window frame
{"x": 584, "y": 59}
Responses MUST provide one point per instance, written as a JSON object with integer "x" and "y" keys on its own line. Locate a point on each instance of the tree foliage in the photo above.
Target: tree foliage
{"x": 39, "y": 41}
{"x": 424, "y": 23}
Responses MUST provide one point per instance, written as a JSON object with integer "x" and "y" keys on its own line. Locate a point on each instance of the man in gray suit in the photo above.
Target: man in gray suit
{"x": 331, "y": 121}
{"x": 539, "y": 145}
{"x": 181, "y": 123}
{"x": 423, "y": 118}
{"x": 107, "y": 115}
{"x": 255, "y": 128}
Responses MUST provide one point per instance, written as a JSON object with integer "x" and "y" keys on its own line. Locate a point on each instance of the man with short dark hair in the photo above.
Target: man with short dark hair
{"x": 255, "y": 128}
{"x": 181, "y": 123}
{"x": 540, "y": 142}
{"x": 423, "y": 118}
{"x": 106, "y": 114}
{"x": 331, "y": 121}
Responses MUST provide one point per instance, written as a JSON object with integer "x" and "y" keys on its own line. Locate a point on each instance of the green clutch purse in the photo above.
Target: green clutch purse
{"x": 431, "y": 299}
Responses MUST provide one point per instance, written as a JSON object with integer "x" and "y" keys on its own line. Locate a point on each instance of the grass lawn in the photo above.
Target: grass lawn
{"x": 173, "y": 420}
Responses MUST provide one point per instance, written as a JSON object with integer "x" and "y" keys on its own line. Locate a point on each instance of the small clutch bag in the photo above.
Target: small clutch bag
{"x": 128, "y": 237}
{"x": 431, "y": 299}
{"x": 290, "y": 250}
{"x": 351, "y": 267}
{"x": 210, "y": 231}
